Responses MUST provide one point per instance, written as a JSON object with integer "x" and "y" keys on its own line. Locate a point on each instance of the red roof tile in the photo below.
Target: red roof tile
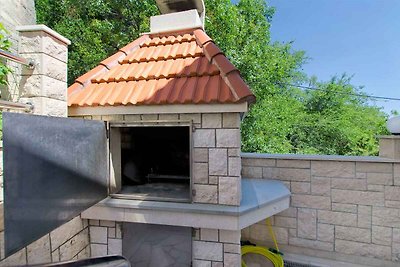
{"x": 173, "y": 68}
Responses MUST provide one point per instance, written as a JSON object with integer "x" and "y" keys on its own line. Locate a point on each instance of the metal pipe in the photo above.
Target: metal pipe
{"x": 30, "y": 63}
{"x": 17, "y": 106}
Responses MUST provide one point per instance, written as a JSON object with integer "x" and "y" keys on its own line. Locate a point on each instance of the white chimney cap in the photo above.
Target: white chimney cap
{"x": 393, "y": 125}
{"x": 175, "y": 21}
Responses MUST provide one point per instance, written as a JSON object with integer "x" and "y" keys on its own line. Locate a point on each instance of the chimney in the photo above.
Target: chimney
{"x": 178, "y": 15}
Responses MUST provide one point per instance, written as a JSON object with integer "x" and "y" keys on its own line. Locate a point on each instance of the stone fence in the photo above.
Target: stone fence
{"x": 342, "y": 208}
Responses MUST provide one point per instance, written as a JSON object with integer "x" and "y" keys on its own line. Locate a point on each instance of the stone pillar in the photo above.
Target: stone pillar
{"x": 389, "y": 146}
{"x": 45, "y": 86}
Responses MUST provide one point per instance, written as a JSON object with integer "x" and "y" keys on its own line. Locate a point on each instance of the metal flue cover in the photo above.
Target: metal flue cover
{"x": 171, "y": 6}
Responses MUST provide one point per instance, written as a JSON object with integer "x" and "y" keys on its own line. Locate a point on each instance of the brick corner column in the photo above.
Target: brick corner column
{"x": 44, "y": 86}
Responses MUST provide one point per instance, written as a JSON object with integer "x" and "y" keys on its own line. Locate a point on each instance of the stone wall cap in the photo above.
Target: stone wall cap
{"x": 389, "y": 136}
{"x": 320, "y": 157}
{"x": 41, "y": 27}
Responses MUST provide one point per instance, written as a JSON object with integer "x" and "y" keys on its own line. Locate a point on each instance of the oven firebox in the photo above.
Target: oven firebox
{"x": 151, "y": 161}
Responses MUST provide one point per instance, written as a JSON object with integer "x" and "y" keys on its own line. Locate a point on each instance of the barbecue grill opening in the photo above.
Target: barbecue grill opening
{"x": 151, "y": 162}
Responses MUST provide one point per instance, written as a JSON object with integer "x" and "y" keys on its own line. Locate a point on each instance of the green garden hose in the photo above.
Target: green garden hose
{"x": 275, "y": 256}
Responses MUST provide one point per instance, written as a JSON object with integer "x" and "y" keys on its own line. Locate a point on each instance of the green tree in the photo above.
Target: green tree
{"x": 96, "y": 28}
{"x": 5, "y": 44}
{"x": 284, "y": 119}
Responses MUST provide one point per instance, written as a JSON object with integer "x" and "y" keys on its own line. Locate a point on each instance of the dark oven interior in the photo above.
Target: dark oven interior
{"x": 155, "y": 162}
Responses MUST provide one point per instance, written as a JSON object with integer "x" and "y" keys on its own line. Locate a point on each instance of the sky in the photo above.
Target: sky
{"x": 359, "y": 37}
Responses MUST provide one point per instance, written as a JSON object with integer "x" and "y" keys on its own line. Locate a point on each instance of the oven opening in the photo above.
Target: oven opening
{"x": 155, "y": 163}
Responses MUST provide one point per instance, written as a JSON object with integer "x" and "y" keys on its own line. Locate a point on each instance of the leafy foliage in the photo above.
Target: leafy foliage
{"x": 5, "y": 44}
{"x": 96, "y": 28}
{"x": 337, "y": 119}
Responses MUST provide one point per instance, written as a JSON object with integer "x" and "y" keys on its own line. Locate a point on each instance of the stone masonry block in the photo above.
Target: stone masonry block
{"x": 309, "y": 201}
{"x": 195, "y": 118}
{"x": 234, "y": 152}
{"x": 17, "y": 259}
{"x": 374, "y": 167}
{"x": 98, "y": 235}
{"x": 65, "y": 232}
{"x": 232, "y": 248}
{"x": 136, "y": 117}
{"x": 349, "y": 184}
{"x": 201, "y": 263}
{"x": 229, "y": 191}
{"x": 388, "y": 217}
{"x": 231, "y": 120}
{"x": 321, "y": 186}
{"x": 207, "y": 251}
{"x": 290, "y": 212}
{"x": 363, "y": 249}
{"x": 336, "y": 169}
{"x": 47, "y": 66}
{"x": 357, "y": 197}
{"x": 364, "y": 216}
{"x": 382, "y": 235}
{"x": 337, "y": 218}
{"x": 204, "y": 138}
{"x": 396, "y": 174}
{"x": 227, "y": 236}
{"x": 37, "y": 42}
{"x": 353, "y": 234}
{"x": 307, "y": 223}
{"x": 231, "y": 259}
{"x": 287, "y": 222}
{"x": 209, "y": 234}
{"x": 71, "y": 248}
{"x": 380, "y": 178}
{"x": 286, "y": 174}
{"x": 251, "y": 172}
{"x": 218, "y": 161}
{"x": 206, "y": 194}
{"x": 396, "y": 235}
{"x": 107, "y": 223}
{"x": 392, "y": 193}
{"x": 211, "y": 120}
{"x": 293, "y": 163}
{"x": 259, "y": 233}
{"x": 234, "y": 166}
{"x": 41, "y": 85}
{"x": 344, "y": 207}
{"x": 200, "y": 155}
{"x": 47, "y": 106}
{"x": 39, "y": 252}
{"x": 258, "y": 162}
{"x": 98, "y": 250}
{"x": 325, "y": 232}
{"x": 165, "y": 117}
{"x": 314, "y": 244}
{"x": 200, "y": 173}
{"x": 300, "y": 187}
{"x": 228, "y": 138}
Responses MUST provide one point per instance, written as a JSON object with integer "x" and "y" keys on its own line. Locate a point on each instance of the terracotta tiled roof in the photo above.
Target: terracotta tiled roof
{"x": 174, "y": 68}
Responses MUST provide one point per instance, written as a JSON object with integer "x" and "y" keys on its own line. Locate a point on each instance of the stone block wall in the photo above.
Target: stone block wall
{"x": 216, "y": 153}
{"x": 68, "y": 242}
{"x": 210, "y": 247}
{"x": 105, "y": 238}
{"x": 216, "y": 248}
{"x": 341, "y": 207}
{"x": 15, "y": 13}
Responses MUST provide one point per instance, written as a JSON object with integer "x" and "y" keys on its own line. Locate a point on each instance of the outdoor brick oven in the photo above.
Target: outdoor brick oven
{"x": 173, "y": 104}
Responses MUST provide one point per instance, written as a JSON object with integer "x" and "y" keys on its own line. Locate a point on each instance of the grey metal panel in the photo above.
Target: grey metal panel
{"x": 54, "y": 168}
{"x": 157, "y": 245}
